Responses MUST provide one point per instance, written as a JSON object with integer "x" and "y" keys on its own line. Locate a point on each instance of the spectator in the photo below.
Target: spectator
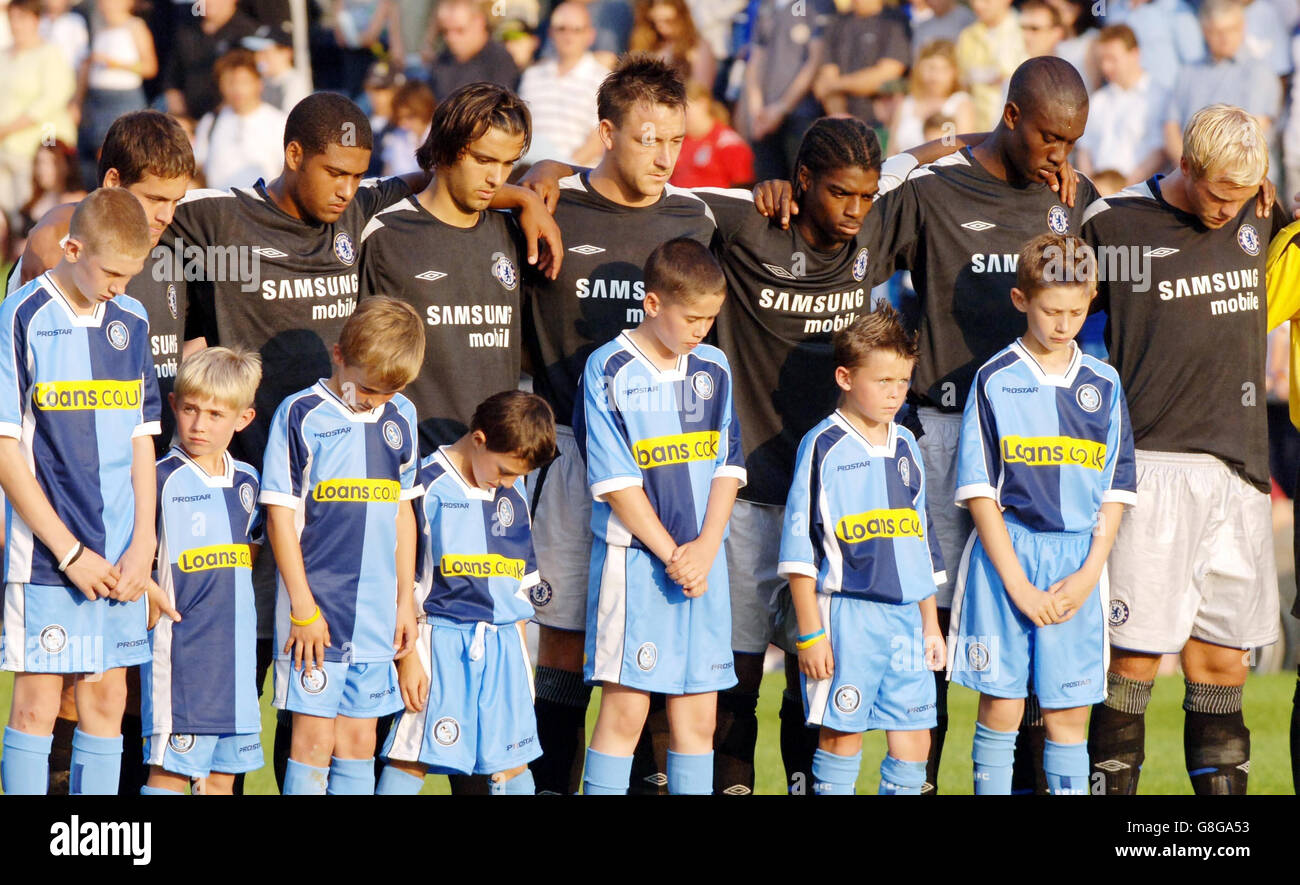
{"x": 521, "y": 41}
{"x": 561, "y": 92}
{"x": 864, "y": 50}
{"x": 413, "y": 107}
{"x": 946, "y": 19}
{"x": 283, "y": 84}
{"x": 190, "y": 89}
{"x": 470, "y": 54}
{"x": 1267, "y": 36}
{"x": 37, "y": 85}
{"x": 665, "y": 29}
{"x": 1228, "y": 75}
{"x": 56, "y": 179}
{"x": 1040, "y": 24}
{"x": 244, "y": 139}
{"x": 1125, "y": 116}
{"x": 66, "y": 28}
{"x": 713, "y": 19}
{"x": 1167, "y": 33}
{"x": 1076, "y": 47}
{"x": 612, "y": 20}
{"x": 987, "y": 53}
{"x": 358, "y": 26}
{"x": 111, "y": 81}
{"x": 1108, "y": 182}
{"x": 935, "y": 89}
{"x": 778, "y": 105}
{"x": 713, "y": 154}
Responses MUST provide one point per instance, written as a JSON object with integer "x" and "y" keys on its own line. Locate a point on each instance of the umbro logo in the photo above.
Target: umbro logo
{"x": 268, "y": 252}
{"x": 779, "y": 271}
{"x": 587, "y": 250}
{"x": 1160, "y": 253}
{"x": 430, "y": 275}
{"x": 978, "y": 225}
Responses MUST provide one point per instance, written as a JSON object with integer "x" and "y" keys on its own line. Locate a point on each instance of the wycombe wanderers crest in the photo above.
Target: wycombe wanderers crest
{"x": 117, "y": 335}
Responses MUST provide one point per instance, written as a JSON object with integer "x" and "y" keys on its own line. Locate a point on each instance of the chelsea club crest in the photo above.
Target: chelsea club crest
{"x": 504, "y": 271}
{"x": 860, "y": 265}
{"x": 1057, "y": 220}
{"x": 1248, "y": 239}
{"x": 344, "y": 249}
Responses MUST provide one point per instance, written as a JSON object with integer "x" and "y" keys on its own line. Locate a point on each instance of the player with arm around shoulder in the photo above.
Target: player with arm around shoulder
{"x": 200, "y": 712}
{"x": 468, "y": 689}
{"x": 864, "y": 564}
{"x": 664, "y": 463}
{"x": 1045, "y": 465}
{"x": 338, "y": 481}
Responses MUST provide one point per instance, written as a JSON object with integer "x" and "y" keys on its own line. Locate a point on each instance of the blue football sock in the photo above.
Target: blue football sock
{"x": 95, "y": 766}
{"x": 835, "y": 775}
{"x": 147, "y": 790}
{"x": 993, "y": 753}
{"x": 519, "y": 785}
{"x": 899, "y": 778}
{"x": 690, "y": 774}
{"x": 351, "y": 777}
{"x": 1066, "y": 767}
{"x": 606, "y": 775}
{"x": 301, "y": 779}
{"x": 25, "y": 766}
{"x": 395, "y": 782}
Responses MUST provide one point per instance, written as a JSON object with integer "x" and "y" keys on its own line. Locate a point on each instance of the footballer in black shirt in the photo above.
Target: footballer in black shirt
{"x": 1183, "y": 260}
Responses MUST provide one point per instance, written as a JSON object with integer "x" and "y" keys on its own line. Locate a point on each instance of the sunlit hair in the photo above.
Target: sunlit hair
{"x": 229, "y": 375}
{"x": 682, "y": 270}
{"x": 517, "y": 423}
{"x": 1050, "y": 260}
{"x": 1227, "y": 144}
{"x": 111, "y": 221}
{"x": 882, "y": 329}
{"x": 385, "y": 339}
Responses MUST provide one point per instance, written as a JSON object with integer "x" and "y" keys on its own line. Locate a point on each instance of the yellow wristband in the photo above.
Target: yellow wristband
{"x": 809, "y": 643}
{"x": 313, "y": 619}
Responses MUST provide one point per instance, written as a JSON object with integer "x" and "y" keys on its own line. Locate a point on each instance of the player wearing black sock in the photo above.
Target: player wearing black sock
{"x": 1117, "y": 736}
{"x": 1216, "y": 742}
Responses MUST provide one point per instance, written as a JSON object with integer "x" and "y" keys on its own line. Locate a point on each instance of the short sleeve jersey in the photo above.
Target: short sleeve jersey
{"x": 784, "y": 301}
{"x": 464, "y": 282}
{"x": 344, "y": 473}
{"x": 855, "y": 42}
{"x": 1186, "y": 329}
{"x": 1050, "y": 449}
{"x": 476, "y": 558}
{"x": 959, "y": 230}
{"x": 261, "y": 279}
{"x": 856, "y": 518}
{"x": 599, "y": 290}
{"x": 202, "y": 679}
{"x": 668, "y": 432}
{"x": 78, "y": 389}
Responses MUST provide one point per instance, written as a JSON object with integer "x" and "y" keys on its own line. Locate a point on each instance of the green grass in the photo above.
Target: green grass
{"x": 1268, "y": 712}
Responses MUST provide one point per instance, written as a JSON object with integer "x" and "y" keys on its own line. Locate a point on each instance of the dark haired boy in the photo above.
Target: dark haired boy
{"x": 456, "y": 262}
{"x": 664, "y": 463}
{"x": 863, "y": 563}
{"x": 469, "y": 688}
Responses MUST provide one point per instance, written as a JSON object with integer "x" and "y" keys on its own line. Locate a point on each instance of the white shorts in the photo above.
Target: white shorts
{"x": 753, "y": 546}
{"x": 1193, "y": 558}
{"x": 562, "y": 537}
{"x": 952, "y": 524}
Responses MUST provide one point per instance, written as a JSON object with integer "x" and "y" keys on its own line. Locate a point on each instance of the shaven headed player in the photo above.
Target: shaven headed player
{"x": 612, "y": 219}
{"x": 863, "y": 563}
{"x": 1187, "y": 335}
{"x": 664, "y": 463}
{"x": 338, "y": 480}
{"x": 77, "y": 472}
{"x": 1046, "y": 468}
{"x": 469, "y": 689}
{"x": 200, "y": 712}
{"x": 456, "y": 262}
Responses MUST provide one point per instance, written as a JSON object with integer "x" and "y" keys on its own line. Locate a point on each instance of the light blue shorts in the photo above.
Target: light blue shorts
{"x": 49, "y": 628}
{"x": 997, "y": 651}
{"x": 198, "y": 755}
{"x": 643, "y": 632}
{"x": 880, "y": 680}
{"x": 478, "y": 718}
{"x": 358, "y": 691}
